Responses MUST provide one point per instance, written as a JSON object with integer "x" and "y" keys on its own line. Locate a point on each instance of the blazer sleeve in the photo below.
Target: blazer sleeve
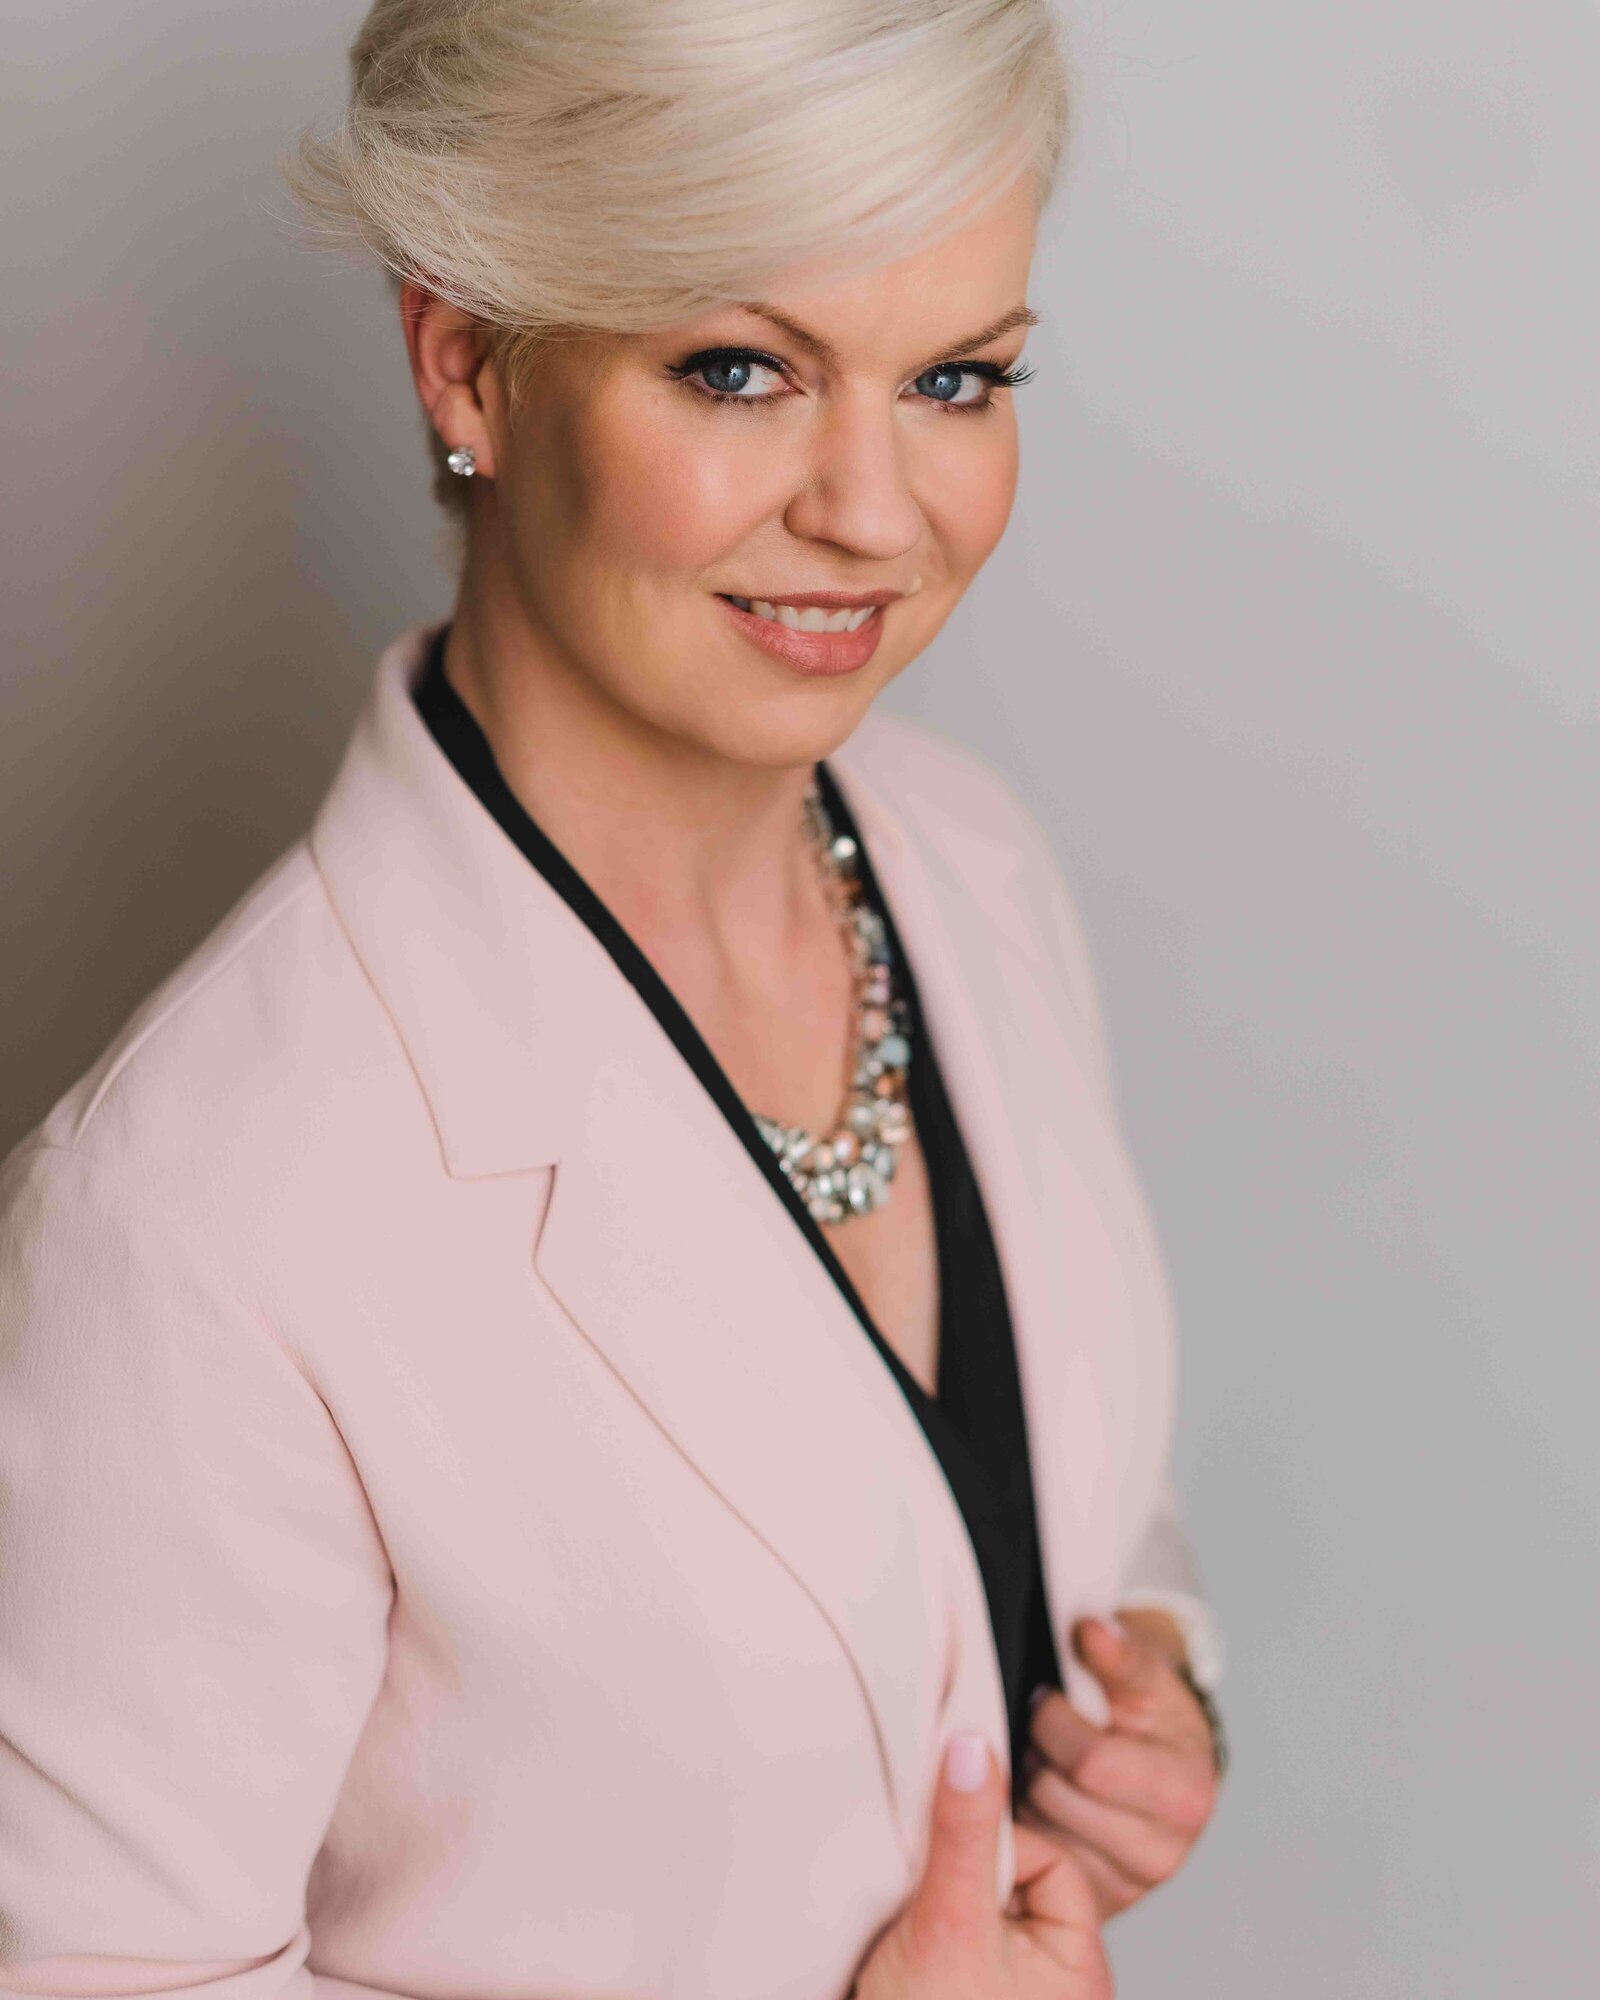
{"x": 194, "y": 1606}
{"x": 1162, "y": 1573}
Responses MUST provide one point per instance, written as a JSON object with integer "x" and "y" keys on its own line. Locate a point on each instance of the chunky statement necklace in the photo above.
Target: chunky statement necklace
{"x": 847, "y": 1171}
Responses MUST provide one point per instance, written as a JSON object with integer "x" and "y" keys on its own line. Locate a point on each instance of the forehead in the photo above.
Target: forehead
{"x": 961, "y": 291}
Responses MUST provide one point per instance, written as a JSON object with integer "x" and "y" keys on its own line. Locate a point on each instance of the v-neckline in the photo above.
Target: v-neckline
{"x": 986, "y": 1504}
{"x": 463, "y": 740}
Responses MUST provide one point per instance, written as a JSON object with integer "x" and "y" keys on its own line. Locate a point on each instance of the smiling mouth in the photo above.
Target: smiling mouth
{"x": 804, "y": 618}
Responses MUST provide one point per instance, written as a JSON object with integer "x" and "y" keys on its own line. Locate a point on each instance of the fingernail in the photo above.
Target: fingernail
{"x": 966, "y": 1760}
{"x": 1109, "y": 1624}
{"x": 1038, "y": 1695}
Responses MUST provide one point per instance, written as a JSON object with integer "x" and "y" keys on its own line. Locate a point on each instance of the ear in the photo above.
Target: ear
{"x": 448, "y": 357}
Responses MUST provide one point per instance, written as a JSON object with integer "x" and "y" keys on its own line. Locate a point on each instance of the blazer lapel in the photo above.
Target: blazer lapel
{"x": 678, "y": 1259}
{"x": 662, "y": 1238}
{"x": 1061, "y": 1201}
{"x": 675, "y": 1256}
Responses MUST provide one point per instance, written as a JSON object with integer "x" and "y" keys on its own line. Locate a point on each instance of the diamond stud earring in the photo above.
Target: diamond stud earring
{"x": 464, "y": 460}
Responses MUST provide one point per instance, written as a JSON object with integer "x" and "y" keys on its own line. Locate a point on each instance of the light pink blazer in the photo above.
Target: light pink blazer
{"x": 457, "y": 1539}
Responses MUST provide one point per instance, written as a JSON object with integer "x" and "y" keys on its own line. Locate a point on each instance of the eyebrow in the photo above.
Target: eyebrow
{"x": 828, "y": 354}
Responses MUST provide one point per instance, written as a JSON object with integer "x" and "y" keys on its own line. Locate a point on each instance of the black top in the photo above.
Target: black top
{"x": 975, "y": 1424}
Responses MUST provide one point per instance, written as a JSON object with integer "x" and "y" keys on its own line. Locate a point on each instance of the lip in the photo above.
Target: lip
{"x": 816, "y": 653}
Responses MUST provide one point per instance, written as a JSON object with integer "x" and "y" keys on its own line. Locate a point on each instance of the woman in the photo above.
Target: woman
{"x": 570, "y": 1372}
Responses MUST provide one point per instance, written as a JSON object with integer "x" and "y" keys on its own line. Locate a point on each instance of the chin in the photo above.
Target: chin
{"x": 790, "y": 728}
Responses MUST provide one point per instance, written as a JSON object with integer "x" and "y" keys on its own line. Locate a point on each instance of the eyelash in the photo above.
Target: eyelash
{"x": 989, "y": 371}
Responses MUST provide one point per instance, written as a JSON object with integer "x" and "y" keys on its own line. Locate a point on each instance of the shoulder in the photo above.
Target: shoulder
{"x": 937, "y": 781}
{"x": 237, "y": 1074}
{"x": 963, "y": 807}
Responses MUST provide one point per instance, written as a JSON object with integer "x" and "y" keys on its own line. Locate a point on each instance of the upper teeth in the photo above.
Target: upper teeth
{"x": 812, "y": 619}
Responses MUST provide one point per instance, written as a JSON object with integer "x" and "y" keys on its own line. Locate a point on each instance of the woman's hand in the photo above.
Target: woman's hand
{"x": 1128, "y": 1801}
{"x": 952, "y": 1941}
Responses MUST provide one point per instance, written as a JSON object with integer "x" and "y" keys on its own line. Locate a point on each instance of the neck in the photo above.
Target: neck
{"x": 672, "y": 836}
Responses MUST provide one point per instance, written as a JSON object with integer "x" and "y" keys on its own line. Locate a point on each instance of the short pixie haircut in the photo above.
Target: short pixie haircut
{"x": 555, "y": 166}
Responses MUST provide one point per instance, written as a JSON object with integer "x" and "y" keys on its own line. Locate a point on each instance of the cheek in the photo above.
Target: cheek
{"x": 969, "y": 493}
{"x": 674, "y": 497}
{"x": 607, "y": 487}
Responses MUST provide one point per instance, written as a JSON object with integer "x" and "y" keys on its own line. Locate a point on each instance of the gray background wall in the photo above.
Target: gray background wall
{"x": 1292, "y": 642}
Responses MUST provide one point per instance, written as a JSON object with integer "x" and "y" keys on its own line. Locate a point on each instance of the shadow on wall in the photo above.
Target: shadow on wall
{"x": 177, "y": 707}
{"x": 218, "y": 508}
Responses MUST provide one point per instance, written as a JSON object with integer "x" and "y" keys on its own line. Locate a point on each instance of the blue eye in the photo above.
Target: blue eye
{"x": 990, "y": 373}
{"x": 948, "y": 372}
{"x": 734, "y": 365}
{"x": 724, "y": 375}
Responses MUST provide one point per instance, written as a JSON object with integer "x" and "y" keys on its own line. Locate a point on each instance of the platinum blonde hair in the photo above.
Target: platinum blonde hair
{"x": 560, "y": 166}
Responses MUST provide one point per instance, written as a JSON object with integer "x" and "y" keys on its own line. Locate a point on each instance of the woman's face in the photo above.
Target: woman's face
{"x": 854, "y": 442}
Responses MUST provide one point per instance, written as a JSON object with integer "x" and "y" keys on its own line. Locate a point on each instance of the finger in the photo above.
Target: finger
{"x": 1124, "y": 1663}
{"x": 1173, "y": 1782}
{"x": 1113, "y": 1890}
{"x": 1060, "y": 1732}
{"x": 1174, "y": 1785}
{"x": 1035, "y": 1850}
{"x": 1053, "y": 1885}
{"x": 1144, "y": 1689}
{"x": 1143, "y": 1849}
{"x": 957, "y": 1887}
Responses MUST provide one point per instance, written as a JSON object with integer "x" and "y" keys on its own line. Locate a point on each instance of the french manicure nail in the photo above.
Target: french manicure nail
{"x": 966, "y": 1760}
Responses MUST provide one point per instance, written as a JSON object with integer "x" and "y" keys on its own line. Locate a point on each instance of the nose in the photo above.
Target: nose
{"x": 855, "y": 491}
